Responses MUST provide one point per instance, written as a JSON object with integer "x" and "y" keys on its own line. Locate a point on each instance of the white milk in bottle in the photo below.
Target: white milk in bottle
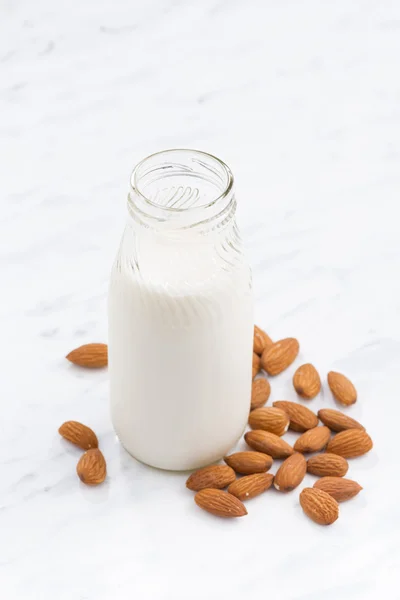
{"x": 180, "y": 315}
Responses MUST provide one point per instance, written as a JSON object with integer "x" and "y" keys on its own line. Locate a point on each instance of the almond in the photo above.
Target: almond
{"x": 260, "y": 392}
{"x": 350, "y": 443}
{"x": 319, "y": 506}
{"x": 306, "y": 381}
{"x": 220, "y": 503}
{"x": 301, "y": 417}
{"x": 342, "y": 388}
{"x": 251, "y": 485}
{"x": 277, "y": 357}
{"x": 291, "y": 473}
{"x": 339, "y": 488}
{"x": 264, "y": 441}
{"x": 327, "y": 464}
{"x": 269, "y": 419}
{"x": 79, "y": 434}
{"x": 313, "y": 440}
{"x": 337, "y": 421}
{"x": 261, "y": 340}
{"x": 249, "y": 462}
{"x": 256, "y": 364}
{"x": 93, "y": 356}
{"x": 91, "y": 467}
{"x": 215, "y": 476}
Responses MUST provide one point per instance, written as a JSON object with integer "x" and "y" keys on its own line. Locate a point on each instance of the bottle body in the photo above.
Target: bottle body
{"x": 180, "y": 343}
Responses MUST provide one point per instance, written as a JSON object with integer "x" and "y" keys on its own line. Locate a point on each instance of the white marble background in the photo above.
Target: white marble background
{"x": 302, "y": 99}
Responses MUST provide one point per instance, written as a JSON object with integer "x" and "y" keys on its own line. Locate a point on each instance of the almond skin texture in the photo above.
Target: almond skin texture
{"x": 220, "y": 503}
{"x": 350, "y": 443}
{"x": 91, "y": 467}
{"x": 327, "y": 464}
{"x": 301, "y": 417}
{"x": 251, "y": 485}
{"x": 337, "y": 421}
{"x": 249, "y": 462}
{"x": 79, "y": 434}
{"x": 261, "y": 340}
{"x": 93, "y": 356}
{"x": 339, "y": 488}
{"x": 291, "y": 473}
{"x": 269, "y": 419}
{"x": 215, "y": 476}
{"x": 279, "y": 356}
{"x": 342, "y": 388}
{"x": 260, "y": 392}
{"x": 313, "y": 440}
{"x": 256, "y": 364}
{"x": 319, "y": 506}
{"x": 307, "y": 382}
{"x": 264, "y": 441}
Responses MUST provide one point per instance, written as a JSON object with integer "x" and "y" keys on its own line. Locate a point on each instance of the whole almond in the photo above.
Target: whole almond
{"x": 79, "y": 434}
{"x": 249, "y": 462}
{"x": 261, "y": 340}
{"x": 93, "y": 356}
{"x": 277, "y": 357}
{"x": 319, "y": 506}
{"x": 342, "y": 388}
{"x": 251, "y": 485}
{"x": 215, "y": 476}
{"x": 260, "y": 392}
{"x": 264, "y": 441}
{"x": 256, "y": 364}
{"x": 339, "y": 488}
{"x": 301, "y": 417}
{"x": 337, "y": 421}
{"x": 313, "y": 440}
{"x": 350, "y": 443}
{"x": 327, "y": 464}
{"x": 306, "y": 381}
{"x": 91, "y": 467}
{"x": 220, "y": 503}
{"x": 291, "y": 473}
{"x": 274, "y": 420}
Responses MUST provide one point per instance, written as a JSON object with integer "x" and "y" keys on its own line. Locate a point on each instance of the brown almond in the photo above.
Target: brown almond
{"x": 301, "y": 417}
{"x": 307, "y": 382}
{"x": 91, "y": 467}
{"x": 260, "y": 392}
{"x": 79, "y": 434}
{"x": 277, "y": 357}
{"x": 319, "y": 506}
{"x": 339, "y": 488}
{"x": 220, "y": 503}
{"x": 249, "y": 462}
{"x": 291, "y": 473}
{"x": 92, "y": 356}
{"x": 270, "y": 419}
{"x": 313, "y": 440}
{"x": 327, "y": 464}
{"x": 256, "y": 364}
{"x": 342, "y": 388}
{"x": 350, "y": 443}
{"x": 337, "y": 421}
{"x": 251, "y": 485}
{"x": 261, "y": 340}
{"x": 264, "y": 441}
{"x": 214, "y": 476}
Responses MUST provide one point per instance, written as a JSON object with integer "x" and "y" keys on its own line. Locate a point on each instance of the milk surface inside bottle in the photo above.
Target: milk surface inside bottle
{"x": 180, "y": 315}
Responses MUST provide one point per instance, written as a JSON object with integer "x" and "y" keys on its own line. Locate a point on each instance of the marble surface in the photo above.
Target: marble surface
{"x": 301, "y": 99}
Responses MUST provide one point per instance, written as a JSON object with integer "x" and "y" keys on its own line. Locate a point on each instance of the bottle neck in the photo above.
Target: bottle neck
{"x": 181, "y": 190}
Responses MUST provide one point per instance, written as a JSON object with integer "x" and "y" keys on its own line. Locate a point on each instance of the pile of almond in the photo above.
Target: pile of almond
{"x": 268, "y": 426}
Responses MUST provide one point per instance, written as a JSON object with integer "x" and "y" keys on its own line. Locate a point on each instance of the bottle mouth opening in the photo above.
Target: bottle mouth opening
{"x": 181, "y": 180}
